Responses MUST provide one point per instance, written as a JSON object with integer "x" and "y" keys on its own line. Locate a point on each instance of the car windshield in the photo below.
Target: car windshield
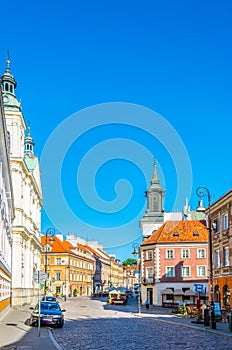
{"x": 49, "y": 306}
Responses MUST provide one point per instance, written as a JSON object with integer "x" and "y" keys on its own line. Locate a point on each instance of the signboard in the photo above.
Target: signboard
{"x": 39, "y": 276}
{"x": 198, "y": 288}
{"x": 217, "y": 309}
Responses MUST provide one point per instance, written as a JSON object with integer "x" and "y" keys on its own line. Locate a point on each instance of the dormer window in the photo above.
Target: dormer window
{"x": 176, "y": 234}
{"x": 195, "y": 234}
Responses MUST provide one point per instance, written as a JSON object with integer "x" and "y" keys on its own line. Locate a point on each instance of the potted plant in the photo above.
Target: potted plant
{"x": 75, "y": 292}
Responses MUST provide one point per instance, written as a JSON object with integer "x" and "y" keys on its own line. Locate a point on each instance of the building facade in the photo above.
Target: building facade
{"x": 6, "y": 215}
{"x": 221, "y": 219}
{"x": 70, "y": 267}
{"x": 26, "y": 246}
{"x": 173, "y": 260}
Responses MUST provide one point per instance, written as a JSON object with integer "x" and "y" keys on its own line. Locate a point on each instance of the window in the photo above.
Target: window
{"x": 201, "y": 271}
{"x": 170, "y": 271}
{"x": 58, "y": 261}
{"x": 185, "y": 254}
{"x": 225, "y": 222}
{"x": 201, "y": 253}
{"x": 225, "y": 256}
{"x": 57, "y": 276}
{"x": 47, "y": 261}
{"x": 170, "y": 254}
{"x": 216, "y": 259}
{"x": 149, "y": 255}
{"x": 149, "y": 272}
{"x": 215, "y": 226}
{"x": 185, "y": 271}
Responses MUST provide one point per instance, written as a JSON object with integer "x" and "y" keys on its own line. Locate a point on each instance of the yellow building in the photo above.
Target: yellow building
{"x": 70, "y": 268}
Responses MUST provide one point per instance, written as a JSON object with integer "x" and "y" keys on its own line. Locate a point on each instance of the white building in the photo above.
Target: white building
{"x": 25, "y": 173}
{"x": 6, "y": 216}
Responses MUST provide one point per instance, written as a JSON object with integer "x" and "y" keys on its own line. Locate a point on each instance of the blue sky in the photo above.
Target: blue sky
{"x": 170, "y": 57}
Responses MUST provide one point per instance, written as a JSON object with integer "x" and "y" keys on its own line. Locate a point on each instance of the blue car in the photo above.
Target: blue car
{"x": 50, "y": 314}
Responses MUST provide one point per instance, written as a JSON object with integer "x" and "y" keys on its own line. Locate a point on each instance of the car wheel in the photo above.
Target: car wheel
{"x": 60, "y": 325}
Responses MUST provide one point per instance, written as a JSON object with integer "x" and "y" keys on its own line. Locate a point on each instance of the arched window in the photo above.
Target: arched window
{"x": 6, "y": 87}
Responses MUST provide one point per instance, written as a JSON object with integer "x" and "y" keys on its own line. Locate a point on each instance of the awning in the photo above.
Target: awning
{"x": 190, "y": 293}
{"x": 178, "y": 292}
{"x": 167, "y": 291}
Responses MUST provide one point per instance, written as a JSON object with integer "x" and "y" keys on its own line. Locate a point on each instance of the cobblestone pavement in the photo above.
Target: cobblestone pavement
{"x": 95, "y": 325}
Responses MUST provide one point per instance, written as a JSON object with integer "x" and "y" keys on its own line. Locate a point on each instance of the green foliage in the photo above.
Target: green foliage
{"x": 130, "y": 261}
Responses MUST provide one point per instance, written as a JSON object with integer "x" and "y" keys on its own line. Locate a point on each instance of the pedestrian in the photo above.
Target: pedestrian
{"x": 147, "y": 304}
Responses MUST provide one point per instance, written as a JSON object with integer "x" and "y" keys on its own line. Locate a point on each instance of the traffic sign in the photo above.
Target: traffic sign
{"x": 40, "y": 276}
{"x": 198, "y": 288}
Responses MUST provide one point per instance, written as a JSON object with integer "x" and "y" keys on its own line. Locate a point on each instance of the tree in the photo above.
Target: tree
{"x": 129, "y": 261}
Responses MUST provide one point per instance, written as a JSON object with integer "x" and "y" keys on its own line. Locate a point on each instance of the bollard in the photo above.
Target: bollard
{"x": 230, "y": 321}
{"x": 206, "y": 317}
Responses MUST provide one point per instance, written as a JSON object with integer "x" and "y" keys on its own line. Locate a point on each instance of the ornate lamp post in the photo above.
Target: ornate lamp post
{"x": 137, "y": 253}
{"x": 50, "y": 232}
{"x": 204, "y": 192}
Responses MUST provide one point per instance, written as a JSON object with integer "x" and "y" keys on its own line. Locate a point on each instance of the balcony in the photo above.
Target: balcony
{"x": 150, "y": 280}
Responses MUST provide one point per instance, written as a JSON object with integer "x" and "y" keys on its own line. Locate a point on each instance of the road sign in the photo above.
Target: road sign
{"x": 39, "y": 276}
{"x": 198, "y": 288}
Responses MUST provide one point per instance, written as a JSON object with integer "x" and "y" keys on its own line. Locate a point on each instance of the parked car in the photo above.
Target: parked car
{"x": 48, "y": 298}
{"x": 50, "y": 314}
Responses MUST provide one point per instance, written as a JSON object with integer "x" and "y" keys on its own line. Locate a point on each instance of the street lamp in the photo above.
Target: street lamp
{"x": 49, "y": 233}
{"x": 204, "y": 192}
{"x": 135, "y": 253}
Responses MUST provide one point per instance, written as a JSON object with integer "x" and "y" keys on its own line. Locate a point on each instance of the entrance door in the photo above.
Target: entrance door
{"x": 150, "y": 295}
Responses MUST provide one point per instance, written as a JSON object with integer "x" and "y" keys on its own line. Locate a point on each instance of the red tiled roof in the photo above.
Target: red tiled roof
{"x": 93, "y": 251}
{"x": 57, "y": 246}
{"x": 179, "y": 231}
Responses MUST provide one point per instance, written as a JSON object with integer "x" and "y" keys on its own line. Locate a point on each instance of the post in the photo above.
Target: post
{"x": 204, "y": 192}
{"x": 39, "y": 304}
{"x": 135, "y": 253}
{"x": 49, "y": 232}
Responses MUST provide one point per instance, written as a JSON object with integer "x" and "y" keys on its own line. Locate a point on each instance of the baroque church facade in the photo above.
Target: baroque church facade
{"x": 25, "y": 173}
{"x": 6, "y": 215}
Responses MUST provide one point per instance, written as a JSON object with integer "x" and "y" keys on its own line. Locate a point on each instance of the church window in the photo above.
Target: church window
{"x": 6, "y": 87}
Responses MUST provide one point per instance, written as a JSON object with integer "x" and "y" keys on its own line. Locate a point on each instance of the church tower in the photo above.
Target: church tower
{"x": 26, "y": 226}
{"x": 154, "y": 215}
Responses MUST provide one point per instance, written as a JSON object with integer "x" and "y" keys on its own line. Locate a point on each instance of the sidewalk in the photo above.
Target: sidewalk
{"x": 164, "y": 315}
{"x": 15, "y": 333}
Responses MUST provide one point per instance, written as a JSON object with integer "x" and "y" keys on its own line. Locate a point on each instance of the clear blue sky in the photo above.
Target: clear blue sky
{"x": 170, "y": 57}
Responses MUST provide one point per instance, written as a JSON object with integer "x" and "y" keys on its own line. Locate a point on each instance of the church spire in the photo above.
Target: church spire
{"x": 8, "y": 89}
{"x": 29, "y": 143}
{"x": 154, "y": 215}
{"x": 154, "y": 179}
{"x": 8, "y": 81}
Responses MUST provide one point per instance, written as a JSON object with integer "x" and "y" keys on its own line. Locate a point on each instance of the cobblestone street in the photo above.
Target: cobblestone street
{"x": 95, "y": 325}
